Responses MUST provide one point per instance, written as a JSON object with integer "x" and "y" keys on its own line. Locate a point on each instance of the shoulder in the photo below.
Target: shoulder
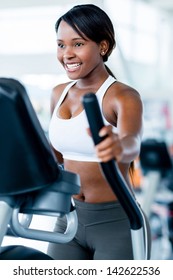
{"x": 56, "y": 93}
{"x": 119, "y": 89}
{"x": 119, "y": 93}
{"x": 120, "y": 99}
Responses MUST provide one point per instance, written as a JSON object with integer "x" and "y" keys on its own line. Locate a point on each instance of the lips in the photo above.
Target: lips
{"x": 72, "y": 66}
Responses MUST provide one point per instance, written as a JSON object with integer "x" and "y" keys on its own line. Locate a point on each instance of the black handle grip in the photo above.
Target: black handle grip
{"x": 110, "y": 169}
{"x": 94, "y": 116}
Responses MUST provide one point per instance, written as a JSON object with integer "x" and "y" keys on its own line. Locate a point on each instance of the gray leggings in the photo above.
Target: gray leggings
{"x": 103, "y": 234}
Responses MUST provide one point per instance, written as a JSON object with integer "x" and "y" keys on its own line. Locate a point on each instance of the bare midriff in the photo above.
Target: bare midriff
{"x": 94, "y": 187}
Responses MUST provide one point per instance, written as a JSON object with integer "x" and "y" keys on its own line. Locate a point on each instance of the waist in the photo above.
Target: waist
{"x": 96, "y": 206}
{"x": 96, "y": 213}
{"x": 94, "y": 187}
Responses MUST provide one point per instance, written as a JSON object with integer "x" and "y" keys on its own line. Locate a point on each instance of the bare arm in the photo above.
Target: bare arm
{"x": 126, "y": 110}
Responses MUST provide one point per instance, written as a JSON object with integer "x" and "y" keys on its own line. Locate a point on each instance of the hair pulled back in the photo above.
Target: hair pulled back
{"x": 91, "y": 22}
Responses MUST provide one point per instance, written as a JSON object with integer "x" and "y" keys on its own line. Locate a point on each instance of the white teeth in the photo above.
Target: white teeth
{"x": 71, "y": 66}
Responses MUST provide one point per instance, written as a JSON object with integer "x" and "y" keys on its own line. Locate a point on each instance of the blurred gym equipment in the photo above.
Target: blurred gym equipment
{"x": 31, "y": 181}
{"x": 157, "y": 198}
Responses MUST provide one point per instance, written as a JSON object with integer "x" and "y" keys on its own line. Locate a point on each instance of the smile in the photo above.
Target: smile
{"x": 73, "y": 66}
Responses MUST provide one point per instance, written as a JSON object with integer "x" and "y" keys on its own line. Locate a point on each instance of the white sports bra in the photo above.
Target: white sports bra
{"x": 69, "y": 136}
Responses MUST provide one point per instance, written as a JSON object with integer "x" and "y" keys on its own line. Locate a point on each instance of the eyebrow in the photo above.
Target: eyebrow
{"x": 74, "y": 39}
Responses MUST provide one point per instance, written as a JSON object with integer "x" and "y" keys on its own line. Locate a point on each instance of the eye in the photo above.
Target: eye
{"x": 79, "y": 44}
{"x": 60, "y": 45}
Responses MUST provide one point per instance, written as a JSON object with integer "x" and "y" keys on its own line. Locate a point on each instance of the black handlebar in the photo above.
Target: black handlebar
{"x": 110, "y": 169}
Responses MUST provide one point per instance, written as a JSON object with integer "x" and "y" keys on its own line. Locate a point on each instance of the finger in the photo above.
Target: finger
{"x": 104, "y": 153}
{"x": 110, "y": 152}
{"x": 104, "y": 131}
{"x": 105, "y": 144}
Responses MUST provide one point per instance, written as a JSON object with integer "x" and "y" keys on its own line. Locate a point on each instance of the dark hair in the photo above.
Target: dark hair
{"x": 90, "y": 21}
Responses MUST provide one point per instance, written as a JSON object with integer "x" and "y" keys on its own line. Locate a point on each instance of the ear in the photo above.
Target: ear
{"x": 104, "y": 47}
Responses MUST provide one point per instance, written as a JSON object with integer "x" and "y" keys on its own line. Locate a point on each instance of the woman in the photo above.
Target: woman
{"x": 85, "y": 40}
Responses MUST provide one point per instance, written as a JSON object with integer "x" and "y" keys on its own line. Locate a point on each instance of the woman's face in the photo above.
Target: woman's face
{"x": 79, "y": 56}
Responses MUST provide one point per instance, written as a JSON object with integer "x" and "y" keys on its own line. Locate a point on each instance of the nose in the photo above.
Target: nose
{"x": 68, "y": 53}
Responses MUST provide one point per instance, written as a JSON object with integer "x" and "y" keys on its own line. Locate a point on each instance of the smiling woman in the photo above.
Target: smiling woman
{"x": 85, "y": 40}
{"x": 73, "y": 50}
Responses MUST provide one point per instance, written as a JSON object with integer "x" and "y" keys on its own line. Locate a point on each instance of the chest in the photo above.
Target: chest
{"x": 71, "y": 105}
